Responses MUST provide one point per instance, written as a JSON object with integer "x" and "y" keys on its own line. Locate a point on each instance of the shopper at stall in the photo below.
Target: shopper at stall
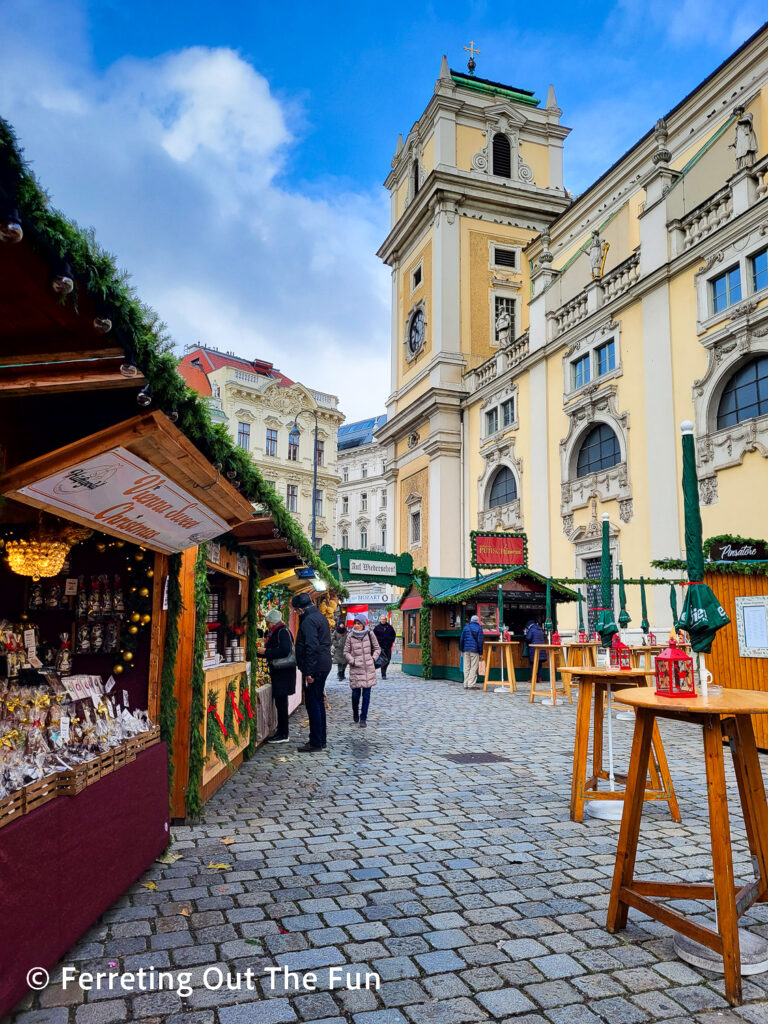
{"x": 281, "y": 657}
{"x": 386, "y": 636}
{"x": 338, "y": 639}
{"x": 313, "y": 658}
{"x": 471, "y": 646}
{"x": 361, "y": 651}
{"x": 534, "y": 634}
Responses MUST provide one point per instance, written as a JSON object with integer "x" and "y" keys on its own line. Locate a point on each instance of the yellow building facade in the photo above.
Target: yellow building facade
{"x": 635, "y": 306}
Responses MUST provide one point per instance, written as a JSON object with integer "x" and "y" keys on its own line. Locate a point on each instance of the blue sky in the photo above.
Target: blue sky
{"x": 231, "y": 154}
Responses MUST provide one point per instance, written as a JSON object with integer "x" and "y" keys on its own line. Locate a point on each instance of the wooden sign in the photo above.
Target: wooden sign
{"x": 739, "y": 551}
{"x": 498, "y": 550}
{"x": 122, "y": 494}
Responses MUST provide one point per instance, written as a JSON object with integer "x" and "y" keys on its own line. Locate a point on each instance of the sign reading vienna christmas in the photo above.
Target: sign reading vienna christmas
{"x": 498, "y": 550}
{"x": 122, "y": 494}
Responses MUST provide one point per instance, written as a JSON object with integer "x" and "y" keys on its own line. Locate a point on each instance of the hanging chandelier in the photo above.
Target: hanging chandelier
{"x": 43, "y": 554}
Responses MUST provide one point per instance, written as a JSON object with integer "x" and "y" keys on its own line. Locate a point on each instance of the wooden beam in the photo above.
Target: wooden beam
{"x": 70, "y": 380}
{"x": 41, "y": 357}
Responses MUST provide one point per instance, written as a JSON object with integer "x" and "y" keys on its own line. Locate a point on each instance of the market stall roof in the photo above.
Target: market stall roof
{"x": 461, "y": 590}
{"x": 274, "y": 555}
{"x": 437, "y": 584}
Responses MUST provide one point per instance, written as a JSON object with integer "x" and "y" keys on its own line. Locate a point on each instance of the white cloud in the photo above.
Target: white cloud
{"x": 176, "y": 162}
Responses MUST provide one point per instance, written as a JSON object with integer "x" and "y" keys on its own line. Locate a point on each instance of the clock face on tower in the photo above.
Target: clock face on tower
{"x": 416, "y": 332}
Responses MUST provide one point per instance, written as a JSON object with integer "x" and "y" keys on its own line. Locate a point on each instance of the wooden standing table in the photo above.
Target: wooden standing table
{"x": 726, "y": 714}
{"x": 505, "y": 658}
{"x": 581, "y": 653}
{"x": 583, "y": 787}
{"x": 551, "y": 650}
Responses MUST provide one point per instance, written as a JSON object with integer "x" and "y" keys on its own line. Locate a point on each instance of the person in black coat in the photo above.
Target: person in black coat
{"x": 279, "y": 645}
{"x": 313, "y": 657}
{"x": 386, "y": 636}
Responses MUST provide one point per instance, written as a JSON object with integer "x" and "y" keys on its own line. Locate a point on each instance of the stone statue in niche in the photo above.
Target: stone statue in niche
{"x": 504, "y": 327}
{"x": 745, "y": 142}
{"x": 595, "y": 253}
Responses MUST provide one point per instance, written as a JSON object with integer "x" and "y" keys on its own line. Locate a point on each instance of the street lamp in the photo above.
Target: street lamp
{"x": 295, "y": 432}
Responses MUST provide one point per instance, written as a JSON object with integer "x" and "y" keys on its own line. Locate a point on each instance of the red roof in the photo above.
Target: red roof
{"x": 195, "y": 377}
{"x": 210, "y": 360}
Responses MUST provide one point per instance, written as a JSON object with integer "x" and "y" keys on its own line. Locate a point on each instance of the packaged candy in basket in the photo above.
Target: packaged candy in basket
{"x": 97, "y": 637}
{"x": 83, "y": 638}
{"x": 118, "y": 602}
{"x": 94, "y": 601}
{"x": 64, "y": 656}
{"x": 106, "y": 596}
{"x": 111, "y": 637}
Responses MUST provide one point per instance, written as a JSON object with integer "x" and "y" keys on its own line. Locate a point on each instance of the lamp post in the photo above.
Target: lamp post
{"x": 295, "y": 431}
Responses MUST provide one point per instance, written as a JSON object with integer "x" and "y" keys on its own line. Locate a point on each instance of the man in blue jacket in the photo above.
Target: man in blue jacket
{"x": 471, "y": 646}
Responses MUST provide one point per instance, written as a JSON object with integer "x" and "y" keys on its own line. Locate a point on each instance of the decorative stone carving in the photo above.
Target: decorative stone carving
{"x": 245, "y": 416}
{"x": 504, "y": 327}
{"x": 502, "y": 453}
{"x": 413, "y": 440}
{"x": 626, "y": 510}
{"x": 709, "y": 262}
{"x": 745, "y": 143}
{"x": 596, "y": 251}
{"x": 595, "y": 404}
{"x": 708, "y": 490}
{"x": 503, "y": 119}
{"x": 660, "y": 133}
{"x": 568, "y": 524}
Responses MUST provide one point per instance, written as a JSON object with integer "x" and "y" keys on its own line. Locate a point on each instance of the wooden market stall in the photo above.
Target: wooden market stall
{"x": 450, "y": 603}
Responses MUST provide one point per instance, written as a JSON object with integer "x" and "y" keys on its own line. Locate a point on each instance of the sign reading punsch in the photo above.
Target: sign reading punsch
{"x": 121, "y": 494}
{"x": 498, "y": 550}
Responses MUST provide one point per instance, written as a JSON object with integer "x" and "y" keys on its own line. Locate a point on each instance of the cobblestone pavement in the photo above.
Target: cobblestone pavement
{"x": 464, "y": 887}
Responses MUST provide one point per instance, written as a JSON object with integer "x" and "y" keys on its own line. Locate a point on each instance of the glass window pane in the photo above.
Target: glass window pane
{"x": 503, "y": 489}
{"x": 746, "y": 394}
{"x": 760, "y": 270}
{"x": 599, "y": 450}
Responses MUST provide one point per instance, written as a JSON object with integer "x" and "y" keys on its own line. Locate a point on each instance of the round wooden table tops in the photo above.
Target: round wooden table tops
{"x": 607, "y": 672}
{"x": 546, "y": 647}
{"x": 728, "y": 702}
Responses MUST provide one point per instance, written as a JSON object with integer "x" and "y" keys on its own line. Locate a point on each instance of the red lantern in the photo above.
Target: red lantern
{"x": 651, "y": 639}
{"x": 620, "y": 655}
{"x": 556, "y": 641}
{"x": 582, "y": 637}
{"x": 674, "y": 673}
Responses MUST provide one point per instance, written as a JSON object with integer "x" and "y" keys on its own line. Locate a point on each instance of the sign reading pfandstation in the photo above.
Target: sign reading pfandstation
{"x": 498, "y": 550}
{"x": 122, "y": 494}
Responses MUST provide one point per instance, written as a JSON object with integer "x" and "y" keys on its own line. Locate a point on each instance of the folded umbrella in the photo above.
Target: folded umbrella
{"x": 606, "y": 624}
{"x": 581, "y": 614}
{"x": 548, "y": 624}
{"x": 624, "y": 619}
{"x": 644, "y": 624}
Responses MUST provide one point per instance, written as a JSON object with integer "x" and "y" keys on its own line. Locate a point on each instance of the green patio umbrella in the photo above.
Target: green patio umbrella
{"x": 606, "y": 624}
{"x": 581, "y": 614}
{"x": 548, "y": 624}
{"x": 673, "y": 604}
{"x": 702, "y": 613}
{"x": 644, "y": 624}
{"x": 500, "y": 599}
{"x": 624, "y": 619}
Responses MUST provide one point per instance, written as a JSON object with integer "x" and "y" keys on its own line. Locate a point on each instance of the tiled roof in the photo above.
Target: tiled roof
{"x": 195, "y": 377}
{"x": 211, "y": 360}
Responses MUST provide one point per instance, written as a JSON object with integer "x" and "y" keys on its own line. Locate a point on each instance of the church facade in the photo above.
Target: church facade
{"x": 546, "y": 349}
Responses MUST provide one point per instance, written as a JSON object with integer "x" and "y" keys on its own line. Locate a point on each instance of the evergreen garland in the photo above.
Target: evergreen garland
{"x": 246, "y": 724}
{"x": 421, "y": 580}
{"x": 197, "y": 683}
{"x": 214, "y": 734}
{"x": 168, "y": 703}
{"x": 251, "y": 649}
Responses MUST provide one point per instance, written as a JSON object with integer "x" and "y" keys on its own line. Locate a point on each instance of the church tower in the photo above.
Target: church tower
{"x": 479, "y": 175}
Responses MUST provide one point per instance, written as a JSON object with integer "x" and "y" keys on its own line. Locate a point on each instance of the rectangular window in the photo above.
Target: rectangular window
{"x": 416, "y": 278}
{"x": 415, "y": 527}
{"x": 605, "y": 358}
{"x": 320, "y": 452}
{"x": 383, "y": 499}
{"x": 293, "y": 447}
{"x": 504, "y": 318}
{"x": 412, "y": 629}
{"x": 344, "y": 540}
{"x": 364, "y": 538}
{"x": 504, "y": 257}
{"x": 318, "y": 503}
{"x": 292, "y": 497}
{"x": 759, "y": 270}
{"x": 271, "y": 448}
{"x": 580, "y": 372}
{"x": 508, "y": 412}
{"x": 364, "y": 470}
{"x": 383, "y": 538}
{"x": 364, "y": 502}
{"x": 491, "y": 421}
{"x": 726, "y": 289}
{"x": 244, "y": 435}
{"x": 345, "y": 505}
{"x": 345, "y": 474}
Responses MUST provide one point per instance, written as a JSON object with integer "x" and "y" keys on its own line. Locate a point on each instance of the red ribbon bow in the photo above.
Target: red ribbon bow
{"x": 247, "y": 702}
{"x": 212, "y": 710}
{"x": 235, "y": 708}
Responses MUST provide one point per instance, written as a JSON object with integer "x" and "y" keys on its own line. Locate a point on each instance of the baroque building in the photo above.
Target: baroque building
{"x": 363, "y": 511}
{"x": 259, "y": 406}
{"x": 639, "y": 304}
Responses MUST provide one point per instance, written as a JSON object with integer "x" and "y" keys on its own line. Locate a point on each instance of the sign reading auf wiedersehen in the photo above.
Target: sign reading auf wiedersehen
{"x": 364, "y": 566}
{"x": 123, "y": 495}
{"x": 498, "y": 550}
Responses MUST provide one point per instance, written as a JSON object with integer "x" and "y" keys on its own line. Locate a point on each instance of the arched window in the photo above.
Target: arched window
{"x": 364, "y": 538}
{"x": 599, "y": 450}
{"x": 745, "y": 395}
{"x": 502, "y": 156}
{"x": 415, "y": 174}
{"x": 344, "y": 540}
{"x": 503, "y": 488}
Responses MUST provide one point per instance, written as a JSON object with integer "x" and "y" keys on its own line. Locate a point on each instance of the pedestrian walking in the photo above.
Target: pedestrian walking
{"x": 361, "y": 650}
{"x": 386, "y": 636}
{"x": 338, "y": 639}
{"x": 534, "y": 634}
{"x": 281, "y": 657}
{"x": 313, "y": 658}
{"x": 471, "y": 646}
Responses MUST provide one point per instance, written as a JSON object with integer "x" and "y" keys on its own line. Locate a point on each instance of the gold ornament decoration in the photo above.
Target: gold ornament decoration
{"x": 127, "y": 655}
{"x": 101, "y": 546}
{"x": 135, "y": 617}
{"x": 146, "y": 619}
{"x": 139, "y": 556}
{"x": 133, "y": 630}
{"x": 150, "y": 573}
{"x": 117, "y": 669}
{"x": 144, "y": 592}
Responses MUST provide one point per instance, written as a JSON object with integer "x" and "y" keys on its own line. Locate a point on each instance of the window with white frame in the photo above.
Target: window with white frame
{"x": 383, "y": 536}
{"x": 383, "y": 498}
{"x": 344, "y": 540}
{"x": 345, "y": 505}
{"x": 270, "y": 447}
{"x": 605, "y": 358}
{"x": 318, "y": 503}
{"x": 504, "y": 314}
{"x": 745, "y": 395}
{"x": 345, "y": 474}
{"x": 725, "y": 289}
{"x": 415, "y": 527}
{"x": 416, "y": 277}
{"x": 364, "y": 501}
{"x": 508, "y": 412}
{"x": 292, "y": 497}
{"x": 364, "y": 537}
{"x": 580, "y": 371}
{"x": 364, "y": 470}
{"x": 504, "y": 257}
{"x": 759, "y": 270}
{"x": 244, "y": 435}
{"x": 491, "y": 421}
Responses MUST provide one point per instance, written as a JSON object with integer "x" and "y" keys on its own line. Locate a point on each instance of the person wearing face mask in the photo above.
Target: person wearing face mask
{"x": 361, "y": 651}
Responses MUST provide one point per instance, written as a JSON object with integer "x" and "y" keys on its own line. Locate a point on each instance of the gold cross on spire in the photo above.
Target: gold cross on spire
{"x": 471, "y": 50}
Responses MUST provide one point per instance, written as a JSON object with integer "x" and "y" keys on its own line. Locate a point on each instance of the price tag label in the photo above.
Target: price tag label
{"x": 70, "y": 587}
{"x": 64, "y": 728}
{"x": 29, "y": 638}
{"x": 165, "y": 595}
{"x": 110, "y": 685}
